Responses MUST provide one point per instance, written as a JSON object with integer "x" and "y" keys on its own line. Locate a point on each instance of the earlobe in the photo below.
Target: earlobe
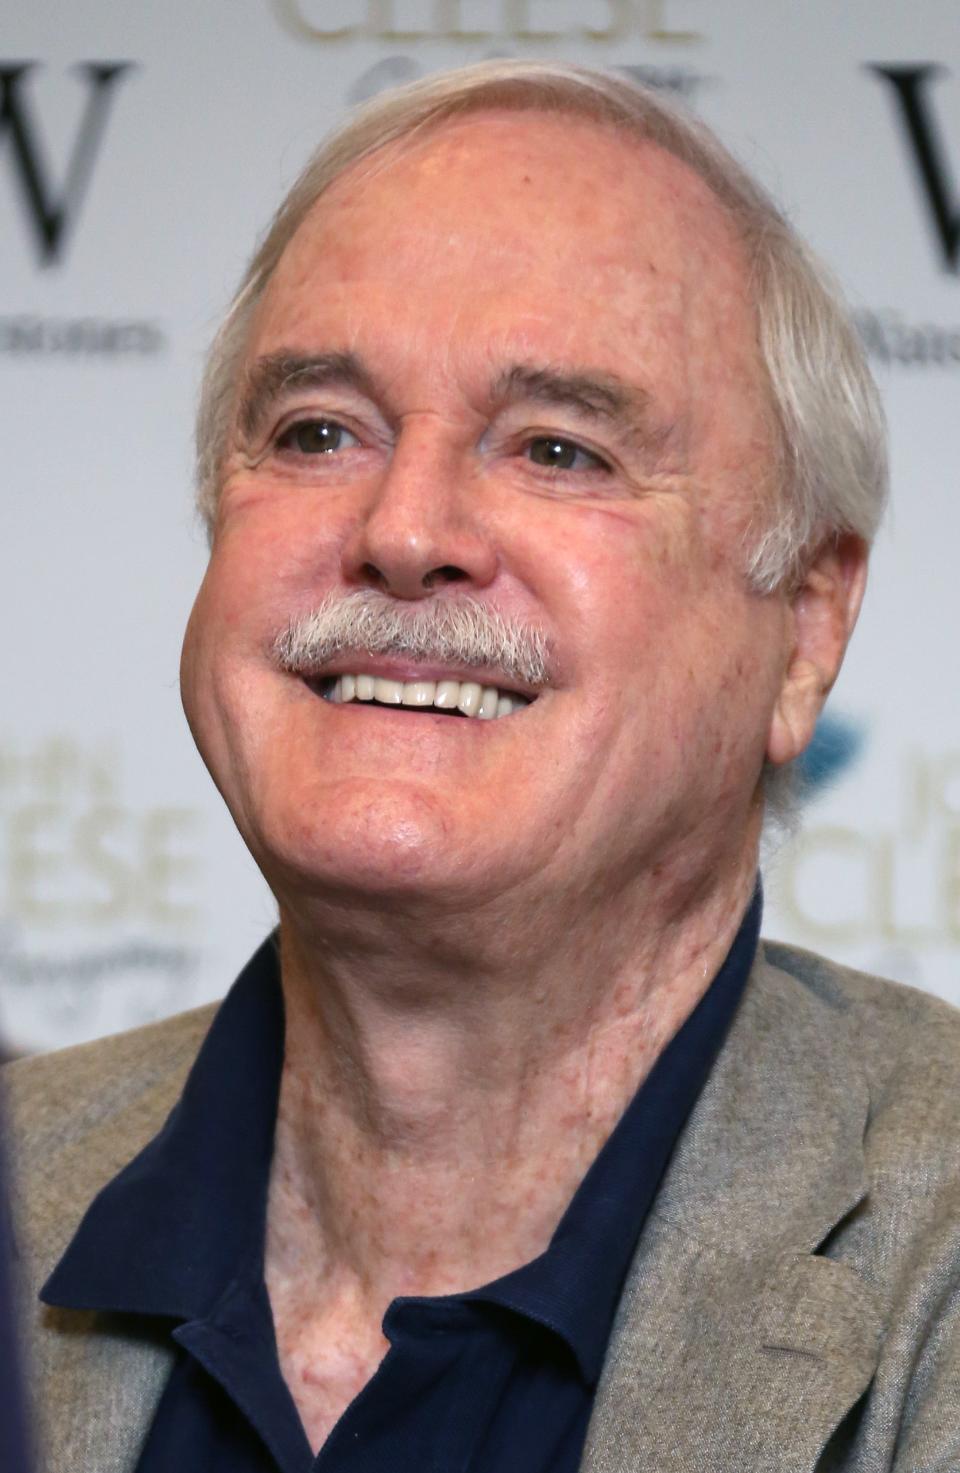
{"x": 823, "y": 613}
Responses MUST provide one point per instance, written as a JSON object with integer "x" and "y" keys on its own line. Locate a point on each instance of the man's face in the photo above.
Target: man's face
{"x": 541, "y": 391}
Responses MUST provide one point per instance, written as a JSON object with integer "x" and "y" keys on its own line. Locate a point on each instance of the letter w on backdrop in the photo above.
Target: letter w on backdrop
{"x": 52, "y": 213}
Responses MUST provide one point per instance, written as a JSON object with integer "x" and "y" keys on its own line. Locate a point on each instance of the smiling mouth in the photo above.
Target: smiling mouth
{"x": 445, "y": 697}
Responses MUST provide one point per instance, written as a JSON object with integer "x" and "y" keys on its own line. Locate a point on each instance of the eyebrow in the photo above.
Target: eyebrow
{"x": 599, "y": 396}
{"x": 596, "y": 395}
{"x": 278, "y": 373}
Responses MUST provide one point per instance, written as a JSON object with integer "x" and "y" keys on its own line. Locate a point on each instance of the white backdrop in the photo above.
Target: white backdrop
{"x": 129, "y": 201}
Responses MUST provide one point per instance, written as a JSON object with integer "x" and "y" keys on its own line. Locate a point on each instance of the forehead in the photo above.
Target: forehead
{"x": 574, "y": 236}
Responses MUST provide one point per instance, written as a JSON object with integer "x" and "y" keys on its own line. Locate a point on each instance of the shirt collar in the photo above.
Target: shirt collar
{"x": 186, "y": 1218}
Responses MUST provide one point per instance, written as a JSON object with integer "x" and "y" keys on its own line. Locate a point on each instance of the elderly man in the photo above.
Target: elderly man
{"x": 540, "y": 466}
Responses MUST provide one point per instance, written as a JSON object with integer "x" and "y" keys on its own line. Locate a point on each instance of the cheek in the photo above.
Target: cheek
{"x": 226, "y": 634}
{"x": 268, "y": 564}
{"x": 193, "y": 674}
{"x": 691, "y": 654}
{"x": 638, "y": 579}
{"x": 200, "y": 680}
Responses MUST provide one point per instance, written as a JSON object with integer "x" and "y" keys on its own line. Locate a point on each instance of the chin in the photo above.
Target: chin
{"x": 379, "y": 840}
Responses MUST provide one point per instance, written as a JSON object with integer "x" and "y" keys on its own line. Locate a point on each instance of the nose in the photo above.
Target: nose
{"x": 418, "y": 531}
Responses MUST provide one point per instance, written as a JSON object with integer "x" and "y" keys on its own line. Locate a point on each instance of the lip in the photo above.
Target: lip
{"x": 411, "y": 716}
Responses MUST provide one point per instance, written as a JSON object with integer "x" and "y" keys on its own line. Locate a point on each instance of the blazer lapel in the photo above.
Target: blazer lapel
{"x": 735, "y": 1346}
{"x": 95, "y": 1379}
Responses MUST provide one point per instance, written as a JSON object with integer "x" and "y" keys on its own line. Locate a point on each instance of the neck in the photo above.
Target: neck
{"x": 446, "y": 1086}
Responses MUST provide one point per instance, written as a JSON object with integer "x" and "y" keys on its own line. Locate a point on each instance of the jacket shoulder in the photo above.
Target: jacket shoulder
{"x": 54, "y": 1098}
{"x": 905, "y": 1042}
{"x": 886, "y": 1009}
{"x": 846, "y": 988}
{"x": 76, "y": 1117}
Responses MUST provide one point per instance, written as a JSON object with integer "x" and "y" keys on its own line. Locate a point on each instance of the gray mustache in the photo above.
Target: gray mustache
{"x": 461, "y": 631}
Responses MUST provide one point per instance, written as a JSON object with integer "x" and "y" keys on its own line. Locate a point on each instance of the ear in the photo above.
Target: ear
{"x": 823, "y": 611}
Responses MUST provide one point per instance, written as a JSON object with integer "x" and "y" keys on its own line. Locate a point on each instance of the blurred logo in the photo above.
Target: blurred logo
{"x": 910, "y": 88}
{"x": 535, "y": 21}
{"x": 99, "y": 920}
{"x": 52, "y": 212}
{"x": 836, "y": 745}
{"x": 883, "y": 874}
{"x": 893, "y": 341}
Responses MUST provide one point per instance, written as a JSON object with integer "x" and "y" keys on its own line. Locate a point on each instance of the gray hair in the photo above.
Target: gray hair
{"x": 832, "y": 473}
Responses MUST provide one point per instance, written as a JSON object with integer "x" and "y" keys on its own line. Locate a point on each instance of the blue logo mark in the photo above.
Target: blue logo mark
{"x": 837, "y": 743}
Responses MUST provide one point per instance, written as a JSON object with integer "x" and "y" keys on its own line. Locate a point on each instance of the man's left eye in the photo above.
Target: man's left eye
{"x": 316, "y": 437}
{"x": 558, "y": 454}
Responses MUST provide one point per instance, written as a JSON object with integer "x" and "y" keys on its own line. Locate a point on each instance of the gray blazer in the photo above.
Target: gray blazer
{"x": 794, "y": 1301}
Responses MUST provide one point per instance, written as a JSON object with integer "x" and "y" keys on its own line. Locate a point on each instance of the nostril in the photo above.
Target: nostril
{"x": 447, "y": 574}
{"x": 408, "y": 582}
{"x": 373, "y": 575}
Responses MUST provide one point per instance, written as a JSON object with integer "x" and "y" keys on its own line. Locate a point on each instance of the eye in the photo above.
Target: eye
{"x": 316, "y": 437}
{"x": 558, "y": 454}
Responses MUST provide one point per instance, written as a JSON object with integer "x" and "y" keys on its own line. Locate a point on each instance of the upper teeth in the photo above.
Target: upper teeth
{"x": 467, "y": 696}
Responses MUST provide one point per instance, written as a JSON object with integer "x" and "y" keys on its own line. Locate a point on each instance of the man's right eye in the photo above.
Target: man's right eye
{"x": 315, "y": 437}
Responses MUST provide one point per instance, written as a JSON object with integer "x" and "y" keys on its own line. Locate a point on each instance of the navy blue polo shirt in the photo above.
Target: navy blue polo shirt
{"x": 497, "y": 1380}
